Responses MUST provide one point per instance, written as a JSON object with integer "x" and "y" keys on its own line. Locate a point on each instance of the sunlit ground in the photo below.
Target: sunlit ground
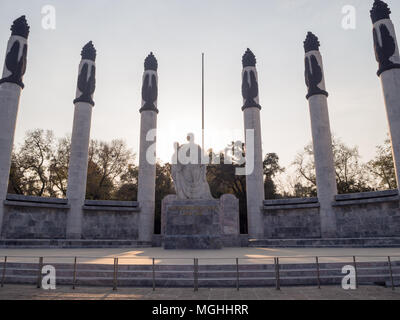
{"x": 223, "y": 256}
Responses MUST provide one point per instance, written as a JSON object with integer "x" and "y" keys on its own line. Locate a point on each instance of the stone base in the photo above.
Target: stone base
{"x": 192, "y": 242}
{"x": 192, "y": 224}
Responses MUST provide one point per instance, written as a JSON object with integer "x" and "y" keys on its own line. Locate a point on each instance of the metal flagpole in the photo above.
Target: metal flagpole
{"x": 202, "y": 101}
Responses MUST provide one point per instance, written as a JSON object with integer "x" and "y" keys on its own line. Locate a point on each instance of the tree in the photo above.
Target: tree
{"x": 382, "y": 167}
{"x": 107, "y": 162}
{"x": 128, "y": 185}
{"x": 271, "y": 168}
{"x": 40, "y": 166}
{"x": 29, "y": 174}
{"x": 16, "y": 183}
{"x": 58, "y": 168}
{"x": 350, "y": 172}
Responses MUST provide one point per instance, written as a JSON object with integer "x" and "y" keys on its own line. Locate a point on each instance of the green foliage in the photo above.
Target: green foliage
{"x": 271, "y": 168}
{"x": 351, "y": 174}
{"x": 40, "y": 166}
{"x": 29, "y": 169}
{"x": 382, "y": 167}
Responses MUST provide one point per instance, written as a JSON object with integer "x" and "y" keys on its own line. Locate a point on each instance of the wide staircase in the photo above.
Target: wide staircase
{"x": 196, "y": 275}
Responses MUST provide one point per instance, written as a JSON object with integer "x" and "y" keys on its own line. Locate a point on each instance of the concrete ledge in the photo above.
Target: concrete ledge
{"x": 107, "y": 208}
{"x": 111, "y": 203}
{"x": 35, "y": 204}
{"x": 378, "y": 242}
{"x": 365, "y": 201}
{"x": 291, "y": 207}
{"x": 367, "y": 195}
{"x": 290, "y": 201}
{"x": 23, "y": 198}
{"x": 286, "y": 204}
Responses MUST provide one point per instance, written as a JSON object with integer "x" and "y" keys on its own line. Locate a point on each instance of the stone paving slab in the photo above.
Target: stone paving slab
{"x": 26, "y": 292}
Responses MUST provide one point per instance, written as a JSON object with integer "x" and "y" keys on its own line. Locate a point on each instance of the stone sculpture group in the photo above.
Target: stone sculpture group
{"x": 192, "y": 215}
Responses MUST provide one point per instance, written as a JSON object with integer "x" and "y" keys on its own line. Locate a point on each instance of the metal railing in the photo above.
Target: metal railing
{"x": 276, "y": 268}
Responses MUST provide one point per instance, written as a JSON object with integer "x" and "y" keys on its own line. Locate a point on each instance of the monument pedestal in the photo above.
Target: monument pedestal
{"x": 199, "y": 224}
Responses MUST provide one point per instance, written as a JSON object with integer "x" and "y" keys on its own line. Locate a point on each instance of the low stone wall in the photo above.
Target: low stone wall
{"x": 369, "y": 214}
{"x": 364, "y": 215}
{"x": 46, "y": 218}
{"x": 291, "y": 219}
{"x": 359, "y": 215}
{"x": 34, "y": 218}
{"x": 108, "y": 224}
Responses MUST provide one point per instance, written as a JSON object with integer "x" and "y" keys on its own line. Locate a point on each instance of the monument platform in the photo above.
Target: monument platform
{"x": 192, "y": 224}
{"x": 200, "y": 224}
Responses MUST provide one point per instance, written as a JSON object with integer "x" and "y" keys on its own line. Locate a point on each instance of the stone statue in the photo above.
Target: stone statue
{"x": 189, "y": 171}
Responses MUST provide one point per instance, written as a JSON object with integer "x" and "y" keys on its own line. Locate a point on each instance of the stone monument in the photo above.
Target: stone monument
{"x": 189, "y": 171}
{"x": 11, "y": 85}
{"x": 317, "y": 97}
{"x": 147, "y": 154}
{"x": 192, "y": 219}
{"x": 78, "y": 161}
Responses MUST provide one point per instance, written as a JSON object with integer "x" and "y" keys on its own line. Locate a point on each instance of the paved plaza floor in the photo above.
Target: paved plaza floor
{"x": 223, "y": 256}
{"x": 29, "y": 292}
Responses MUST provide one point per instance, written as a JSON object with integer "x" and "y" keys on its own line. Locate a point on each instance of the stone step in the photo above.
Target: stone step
{"x": 72, "y": 243}
{"x": 210, "y": 275}
{"x": 203, "y": 282}
{"x": 327, "y": 243}
{"x": 204, "y": 274}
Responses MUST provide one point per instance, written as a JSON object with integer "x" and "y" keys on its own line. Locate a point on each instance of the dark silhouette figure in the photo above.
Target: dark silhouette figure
{"x": 249, "y": 91}
{"x": 386, "y": 51}
{"x": 86, "y": 85}
{"x": 16, "y": 66}
{"x": 313, "y": 76}
{"x": 149, "y": 92}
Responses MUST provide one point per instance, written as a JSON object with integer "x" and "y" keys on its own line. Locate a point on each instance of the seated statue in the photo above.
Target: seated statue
{"x": 189, "y": 171}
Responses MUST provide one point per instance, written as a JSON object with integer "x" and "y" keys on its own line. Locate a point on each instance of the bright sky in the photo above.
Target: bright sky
{"x": 177, "y": 31}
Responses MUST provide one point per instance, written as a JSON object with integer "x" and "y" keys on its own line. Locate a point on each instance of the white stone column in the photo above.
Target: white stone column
{"x": 11, "y": 86}
{"x": 78, "y": 162}
{"x": 254, "y": 157}
{"x": 321, "y": 134}
{"x": 147, "y": 153}
{"x": 387, "y": 55}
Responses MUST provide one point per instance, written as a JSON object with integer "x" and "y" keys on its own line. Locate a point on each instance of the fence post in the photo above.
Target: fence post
{"x": 3, "y": 277}
{"x": 237, "y": 274}
{"x": 154, "y": 277}
{"x": 115, "y": 273}
{"x": 74, "y": 276}
{"x": 391, "y": 272}
{"x": 39, "y": 276}
{"x": 355, "y": 269}
{"x": 318, "y": 273}
{"x": 277, "y": 277}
